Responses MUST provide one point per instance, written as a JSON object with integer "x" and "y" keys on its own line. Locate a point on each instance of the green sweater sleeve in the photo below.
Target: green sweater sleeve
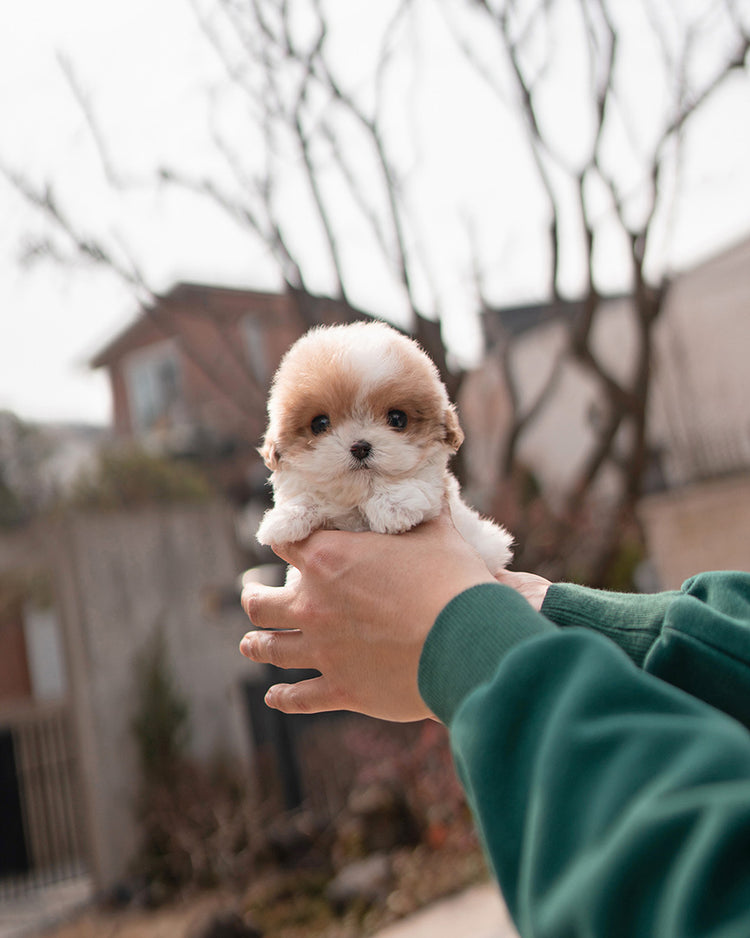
{"x": 632, "y": 620}
{"x": 696, "y": 638}
{"x": 609, "y": 802}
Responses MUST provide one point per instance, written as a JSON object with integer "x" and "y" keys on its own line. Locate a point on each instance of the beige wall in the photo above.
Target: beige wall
{"x": 700, "y": 527}
{"x": 557, "y": 443}
{"x": 120, "y": 576}
{"x": 702, "y": 380}
{"x": 698, "y": 414}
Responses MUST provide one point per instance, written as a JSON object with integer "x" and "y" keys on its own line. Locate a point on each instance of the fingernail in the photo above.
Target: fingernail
{"x": 244, "y": 596}
{"x": 270, "y": 697}
{"x": 246, "y": 645}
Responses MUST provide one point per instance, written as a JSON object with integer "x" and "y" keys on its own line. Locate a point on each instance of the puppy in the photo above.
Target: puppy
{"x": 360, "y": 431}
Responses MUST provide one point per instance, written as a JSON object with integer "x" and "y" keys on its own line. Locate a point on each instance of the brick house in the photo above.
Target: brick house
{"x": 189, "y": 378}
{"x": 190, "y": 374}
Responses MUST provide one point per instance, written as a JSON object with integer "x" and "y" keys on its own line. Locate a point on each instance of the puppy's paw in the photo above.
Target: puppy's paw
{"x": 490, "y": 539}
{"x": 496, "y": 547}
{"x": 287, "y": 524}
{"x": 387, "y": 517}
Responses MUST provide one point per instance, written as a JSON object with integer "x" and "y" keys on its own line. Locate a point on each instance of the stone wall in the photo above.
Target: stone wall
{"x": 121, "y": 576}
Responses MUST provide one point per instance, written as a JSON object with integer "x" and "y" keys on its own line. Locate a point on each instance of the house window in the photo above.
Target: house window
{"x": 154, "y": 387}
{"x": 41, "y": 629}
{"x": 254, "y": 334}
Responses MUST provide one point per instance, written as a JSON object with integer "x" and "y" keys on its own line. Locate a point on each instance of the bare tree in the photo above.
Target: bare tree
{"x": 303, "y": 121}
{"x": 280, "y": 64}
{"x": 635, "y": 187}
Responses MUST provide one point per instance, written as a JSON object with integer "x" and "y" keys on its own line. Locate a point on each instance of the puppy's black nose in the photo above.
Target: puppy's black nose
{"x": 360, "y": 450}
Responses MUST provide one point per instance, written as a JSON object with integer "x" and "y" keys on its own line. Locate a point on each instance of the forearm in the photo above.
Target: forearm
{"x": 609, "y": 803}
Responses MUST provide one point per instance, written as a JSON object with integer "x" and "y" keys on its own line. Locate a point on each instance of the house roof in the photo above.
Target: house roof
{"x": 218, "y": 303}
{"x": 504, "y": 322}
{"x": 515, "y": 320}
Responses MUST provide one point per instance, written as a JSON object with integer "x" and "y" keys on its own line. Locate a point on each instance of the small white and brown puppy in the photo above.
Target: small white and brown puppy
{"x": 360, "y": 431}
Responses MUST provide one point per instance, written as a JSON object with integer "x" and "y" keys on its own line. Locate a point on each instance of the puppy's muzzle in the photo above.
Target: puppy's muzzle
{"x": 360, "y": 450}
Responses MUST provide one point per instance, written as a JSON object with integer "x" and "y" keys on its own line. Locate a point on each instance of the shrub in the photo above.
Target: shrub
{"x": 126, "y": 478}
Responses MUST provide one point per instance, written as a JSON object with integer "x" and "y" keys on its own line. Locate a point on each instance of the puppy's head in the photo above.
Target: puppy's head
{"x": 359, "y": 398}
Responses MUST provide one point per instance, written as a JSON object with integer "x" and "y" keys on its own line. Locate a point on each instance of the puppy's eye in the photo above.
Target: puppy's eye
{"x": 397, "y": 419}
{"x": 320, "y": 424}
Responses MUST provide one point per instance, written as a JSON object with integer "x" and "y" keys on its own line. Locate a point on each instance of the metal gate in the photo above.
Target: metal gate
{"x": 41, "y": 802}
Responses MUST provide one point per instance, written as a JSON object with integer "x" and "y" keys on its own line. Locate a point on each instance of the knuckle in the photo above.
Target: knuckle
{"x": 311, "y": 614}
{"x": 261, "y": 647}
{"x": 321, "y": 557}
{"x": 271, "y": 648}
{"x": 296, "y": 699}
{"x": 287, "y": 698}
{"x": 251, "y": 647}
{"x": 341, "y": 699}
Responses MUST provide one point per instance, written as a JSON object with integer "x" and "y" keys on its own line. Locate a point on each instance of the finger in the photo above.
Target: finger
{"x": 324, "y": 548}
{"x": 267, "y": 607}
{"x": 312, "y": 696}
{"x": 297, "y": 553}
{"x": 282, "y": 649}
{"x": 442, "y": 521}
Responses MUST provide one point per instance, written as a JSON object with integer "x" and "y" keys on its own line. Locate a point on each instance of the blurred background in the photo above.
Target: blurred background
{"x": 552, "y": 196}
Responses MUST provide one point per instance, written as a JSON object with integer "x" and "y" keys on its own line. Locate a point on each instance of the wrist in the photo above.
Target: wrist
{"x": 471, "y": 637}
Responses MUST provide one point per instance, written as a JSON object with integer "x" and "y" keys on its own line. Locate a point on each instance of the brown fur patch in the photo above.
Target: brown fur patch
{"x": 319, "y": 377}
{"x": 329, "y": 391}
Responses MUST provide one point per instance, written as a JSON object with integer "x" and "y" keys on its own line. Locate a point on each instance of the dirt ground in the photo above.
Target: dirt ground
{"x": 170, "y": 922}
{"x": 477, "y": 911}
{"x": 287, "y": 909}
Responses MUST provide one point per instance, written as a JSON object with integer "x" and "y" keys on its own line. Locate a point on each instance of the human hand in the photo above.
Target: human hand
{"x": 532, "y": 587}
{"x": 359, "y": 612}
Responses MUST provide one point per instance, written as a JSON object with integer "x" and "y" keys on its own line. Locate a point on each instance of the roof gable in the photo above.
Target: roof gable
{"x": 207, "y": 301}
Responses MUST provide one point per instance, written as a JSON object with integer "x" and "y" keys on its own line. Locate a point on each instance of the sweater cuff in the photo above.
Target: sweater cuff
{"x": 632, "y": 620}
{"x": 469, "y": 639}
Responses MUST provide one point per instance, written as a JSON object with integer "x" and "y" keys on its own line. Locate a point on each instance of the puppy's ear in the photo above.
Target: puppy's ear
{"x": 269, "y": 452}
{"x": 454, "y": 435}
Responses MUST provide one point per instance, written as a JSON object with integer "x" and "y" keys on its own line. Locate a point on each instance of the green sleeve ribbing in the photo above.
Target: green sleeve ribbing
{"x": 632, "y": 620}
{"x": 470, "y": 636}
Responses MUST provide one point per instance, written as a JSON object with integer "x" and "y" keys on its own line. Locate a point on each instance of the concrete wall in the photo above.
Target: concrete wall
{"x": 700, "y": 527}
{"x": 120, "y": 577}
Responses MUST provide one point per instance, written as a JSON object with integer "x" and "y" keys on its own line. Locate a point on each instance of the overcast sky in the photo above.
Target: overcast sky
{"x": 148, "y": 69}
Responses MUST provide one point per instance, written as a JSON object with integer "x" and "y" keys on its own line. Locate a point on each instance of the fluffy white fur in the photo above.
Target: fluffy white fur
{"x": 360, "y": 431}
